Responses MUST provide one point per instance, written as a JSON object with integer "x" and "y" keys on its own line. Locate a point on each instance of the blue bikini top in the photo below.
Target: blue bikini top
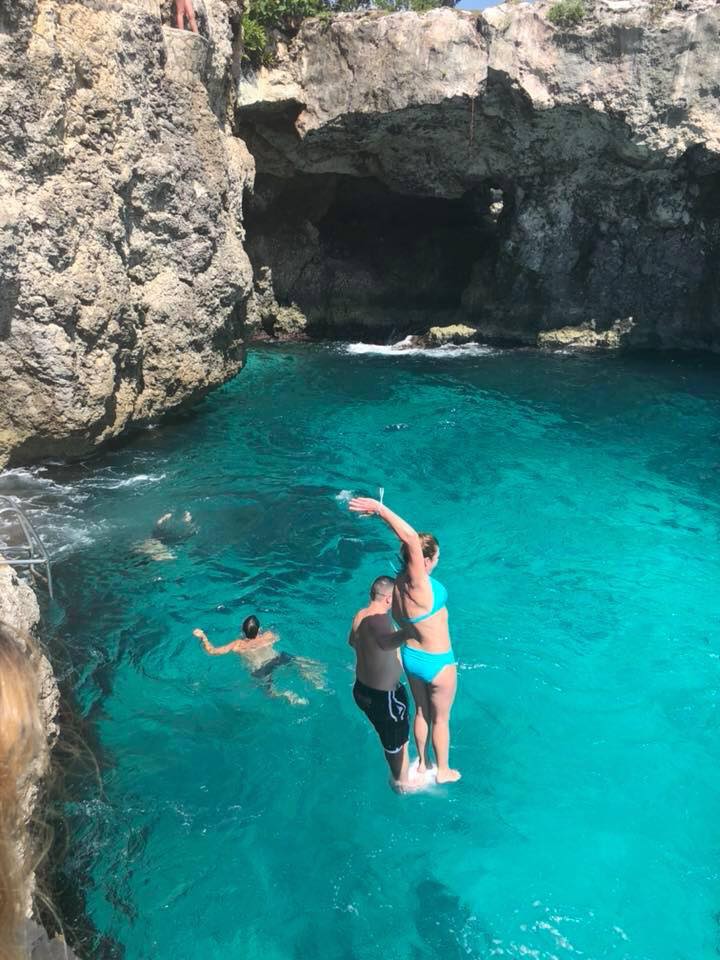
{"x": 440, "y": 596}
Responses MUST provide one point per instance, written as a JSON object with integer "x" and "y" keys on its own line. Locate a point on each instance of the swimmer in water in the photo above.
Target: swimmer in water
{"x": 169, "y": 530}
{"x": 378, "y": 690}
{"x": 257, "y": 649}
{"x": 420, "y": 605}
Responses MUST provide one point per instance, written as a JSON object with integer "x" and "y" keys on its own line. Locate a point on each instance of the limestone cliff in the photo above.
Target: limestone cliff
{"x": 494, "y": 169}
{"x": 123, "y": 277}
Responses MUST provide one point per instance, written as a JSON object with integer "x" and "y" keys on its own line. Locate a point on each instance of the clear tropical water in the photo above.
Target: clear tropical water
{"x": 577, "y": 503}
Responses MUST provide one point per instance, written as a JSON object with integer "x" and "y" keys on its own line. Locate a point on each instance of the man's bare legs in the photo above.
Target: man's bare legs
{"x": 312, "y": 671}
{"x": 288, "y": 695}
{"x": 442, "y": 694}
{"x": 398, "y": 763}
{"x": 184, "y": 8}
{"x": 421, "y": 723}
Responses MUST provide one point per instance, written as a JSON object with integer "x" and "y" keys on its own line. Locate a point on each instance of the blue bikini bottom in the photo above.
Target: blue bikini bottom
{"x": 425, "y": 666}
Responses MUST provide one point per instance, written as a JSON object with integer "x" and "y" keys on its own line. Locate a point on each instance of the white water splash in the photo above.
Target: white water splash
{"x": 58, "y": 510}
{"x": 404, "y": 349}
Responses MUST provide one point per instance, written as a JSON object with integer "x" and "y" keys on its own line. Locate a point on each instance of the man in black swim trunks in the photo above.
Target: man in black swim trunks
{"x": 257, "y": 649}
{"x": 378, "y": 690}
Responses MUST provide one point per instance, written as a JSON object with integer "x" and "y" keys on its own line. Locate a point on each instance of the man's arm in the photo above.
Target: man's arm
{"x": 380, "y": 628}
{"x": 391, "y": 641}
{"x": 209, "y": 648}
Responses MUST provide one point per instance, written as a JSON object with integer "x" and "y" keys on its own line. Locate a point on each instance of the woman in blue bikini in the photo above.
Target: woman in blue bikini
{"x": 427, "y": 655}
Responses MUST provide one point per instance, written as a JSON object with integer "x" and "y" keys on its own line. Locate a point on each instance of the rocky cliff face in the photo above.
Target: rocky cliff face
{"x": 496, "y": 170}
{"x": 123, "y": 277}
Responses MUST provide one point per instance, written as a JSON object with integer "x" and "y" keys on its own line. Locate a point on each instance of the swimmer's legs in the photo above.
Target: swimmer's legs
{"x": 289, "y": 695}
{"x": 421, "y": 723}
{"x": 442, "y": 695}
{"x": 312, "y": 671}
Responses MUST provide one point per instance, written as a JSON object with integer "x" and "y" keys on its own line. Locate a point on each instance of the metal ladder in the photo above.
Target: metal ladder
{"x": 30, "y": 551}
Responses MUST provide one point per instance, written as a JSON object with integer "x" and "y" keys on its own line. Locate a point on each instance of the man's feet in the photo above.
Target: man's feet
{"x": 446, "y": 775}
{"x": 405, "y": 786}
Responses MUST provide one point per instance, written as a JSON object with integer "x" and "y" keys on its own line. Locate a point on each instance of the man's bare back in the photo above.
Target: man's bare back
{"x": 377, "y": 666}
{"x": 262, "y": 659}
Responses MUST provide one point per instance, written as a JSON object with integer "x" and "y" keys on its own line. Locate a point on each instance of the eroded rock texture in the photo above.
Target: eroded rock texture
{"x": 123, "y": 277}
{"x": 495, "y": 170}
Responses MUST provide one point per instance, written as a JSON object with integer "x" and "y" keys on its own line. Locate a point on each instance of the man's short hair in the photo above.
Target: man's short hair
{"x": 381, "y": 586}
{"x": 251, "y": 627}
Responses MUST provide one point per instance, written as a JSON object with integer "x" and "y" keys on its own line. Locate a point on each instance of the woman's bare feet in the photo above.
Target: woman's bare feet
{"x": 447, "y": 775}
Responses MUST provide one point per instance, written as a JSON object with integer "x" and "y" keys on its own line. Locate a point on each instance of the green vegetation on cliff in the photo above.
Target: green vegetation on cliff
{"x": 286, "y": 15}
{"x": 566, "y": 13}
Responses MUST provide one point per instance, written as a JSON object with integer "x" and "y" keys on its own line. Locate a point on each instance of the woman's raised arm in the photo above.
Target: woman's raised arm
{"x": 401, "y": 528}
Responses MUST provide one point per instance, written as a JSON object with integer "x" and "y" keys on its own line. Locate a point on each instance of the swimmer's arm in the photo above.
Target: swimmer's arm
{"x": 402, "y": 530}
{"x": 215, "y": 651}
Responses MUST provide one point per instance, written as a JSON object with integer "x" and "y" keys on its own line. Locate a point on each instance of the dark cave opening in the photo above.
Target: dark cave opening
{"x": 356, "y": 256}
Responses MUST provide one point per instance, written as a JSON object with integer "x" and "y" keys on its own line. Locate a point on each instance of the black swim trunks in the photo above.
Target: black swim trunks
{"x": 263, "y": 672}
{"x": 387, "y": 711}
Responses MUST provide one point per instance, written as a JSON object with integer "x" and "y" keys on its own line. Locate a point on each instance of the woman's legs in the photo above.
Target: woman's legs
{"x": 421, "y": 723}
{"x": 442, "y": 694}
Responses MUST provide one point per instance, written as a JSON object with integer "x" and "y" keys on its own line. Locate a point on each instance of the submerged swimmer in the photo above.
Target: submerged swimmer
{"x": 257, "y": 649}
{"x": 419, "y": 604}
{"x": 174, "y": 528}
{"x": 378, "y": 690}
{"x": 169, "y": 529}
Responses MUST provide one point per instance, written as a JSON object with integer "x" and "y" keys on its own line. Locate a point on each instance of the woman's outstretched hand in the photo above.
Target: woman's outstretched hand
{"x": 364, "y": 505}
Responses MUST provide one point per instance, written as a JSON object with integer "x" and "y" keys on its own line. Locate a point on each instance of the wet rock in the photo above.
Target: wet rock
{"x": 267, "y": 319}
{"x": 587, "y": 337}
{"x": 456, "y": 333}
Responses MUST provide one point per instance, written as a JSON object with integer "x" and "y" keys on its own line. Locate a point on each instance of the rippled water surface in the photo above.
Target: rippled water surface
{"x": 577, "y": 505}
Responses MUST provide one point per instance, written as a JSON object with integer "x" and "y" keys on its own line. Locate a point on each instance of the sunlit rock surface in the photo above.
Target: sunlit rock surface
{"x": 123, "y": 277}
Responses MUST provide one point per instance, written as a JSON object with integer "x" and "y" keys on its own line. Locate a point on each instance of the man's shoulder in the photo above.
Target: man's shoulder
{"x": 376, "y": 624}
{"x": 358, "y": 618}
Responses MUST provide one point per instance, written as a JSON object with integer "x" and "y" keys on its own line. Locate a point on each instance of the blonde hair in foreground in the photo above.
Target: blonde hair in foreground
{"x": 22, "y": 742}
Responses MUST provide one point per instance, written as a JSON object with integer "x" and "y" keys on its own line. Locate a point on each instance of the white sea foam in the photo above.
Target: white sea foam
{"x": 404, "y": 349}
{"x": 118, "y": 483}
{"x": 424, "y": 781}
{"x": 57, "y": 510}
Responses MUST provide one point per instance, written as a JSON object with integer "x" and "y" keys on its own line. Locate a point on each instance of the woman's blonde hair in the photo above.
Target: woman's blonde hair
{"x": 23, "y": 748}
{"x": 429, "y": 545}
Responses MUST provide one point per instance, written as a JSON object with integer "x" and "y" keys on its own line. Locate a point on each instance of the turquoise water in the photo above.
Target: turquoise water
{"x": 577, "y": 503}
